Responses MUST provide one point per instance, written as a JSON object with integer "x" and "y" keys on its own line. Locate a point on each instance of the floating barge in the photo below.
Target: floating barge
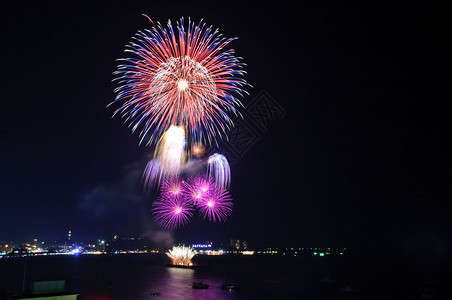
{"x": 192, "y": 266}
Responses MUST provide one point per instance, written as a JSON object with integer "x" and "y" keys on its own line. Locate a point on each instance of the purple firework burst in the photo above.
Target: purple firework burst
{"x": 173, "y": 187}
{"x": 216, "y": 205}
{"x": 172, "y": 212}
{"x": 197, "y": 188}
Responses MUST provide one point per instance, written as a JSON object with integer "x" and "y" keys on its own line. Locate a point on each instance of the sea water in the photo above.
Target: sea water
{"x": 137, "y": 276}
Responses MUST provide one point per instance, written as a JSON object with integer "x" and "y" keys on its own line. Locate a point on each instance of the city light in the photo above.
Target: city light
{"x": 138, "y": 245}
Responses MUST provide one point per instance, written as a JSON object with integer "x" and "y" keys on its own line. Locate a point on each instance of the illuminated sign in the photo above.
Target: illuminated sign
{"x": 202, "y": 246}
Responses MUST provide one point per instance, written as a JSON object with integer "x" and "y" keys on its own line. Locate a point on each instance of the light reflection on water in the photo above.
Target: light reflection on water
{"x": 121, "y": 277}
{"x": 135, "y": 277}
{"x": 176, "y": 283}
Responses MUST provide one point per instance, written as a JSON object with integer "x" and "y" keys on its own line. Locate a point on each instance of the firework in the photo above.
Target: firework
{"x": 181, "y": 255}
{"x": 183, "y": 77}
{"x": 198, "y": 150}
{"x": 197, "y": 188}
{"x": 218, "y": 168}
{"x": 173, "y": 187}
{"x": 216, "y": 205}
{"x": 169, "y": 156}
{"x": 153, "y": 173}
{"x": 172, "y": 210}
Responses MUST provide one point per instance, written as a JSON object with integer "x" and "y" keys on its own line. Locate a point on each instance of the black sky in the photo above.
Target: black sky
{"x": 361, "y": 157}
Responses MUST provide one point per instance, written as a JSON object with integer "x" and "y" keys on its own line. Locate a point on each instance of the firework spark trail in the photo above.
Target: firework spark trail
{"x": 153, "y": 173}
{"x": 171, "y": 149}
{"x": 181, "y": 255}
{"x": 183, "y": 77}
{"x": 216, "y": 205}
{"x": 218, "y": 168}
{"x": 197, "y": 188}
{"x": 169, "y": 157}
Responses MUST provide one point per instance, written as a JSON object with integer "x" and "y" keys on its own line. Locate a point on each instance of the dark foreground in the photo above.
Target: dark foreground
{"x": 137, "y": 276}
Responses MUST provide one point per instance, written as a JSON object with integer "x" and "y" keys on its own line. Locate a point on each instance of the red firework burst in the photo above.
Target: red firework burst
{"x": 182, "y": 78}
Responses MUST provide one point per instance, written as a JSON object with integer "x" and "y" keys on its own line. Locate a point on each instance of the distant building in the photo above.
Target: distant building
{"x": 125, "y": 245}
{"x": 238, "y": 245}
{"x": 244, "y": 245}
{"x": 5, "y": 248}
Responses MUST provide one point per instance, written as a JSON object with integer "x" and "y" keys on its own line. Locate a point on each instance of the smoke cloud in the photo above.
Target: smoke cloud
{"x": 122, "y": 207}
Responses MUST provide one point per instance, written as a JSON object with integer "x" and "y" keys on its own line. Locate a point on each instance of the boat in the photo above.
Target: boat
{"x": 200, "y": 285}
{"x": 230, "y": 286}
{"x": 156, "y": 294}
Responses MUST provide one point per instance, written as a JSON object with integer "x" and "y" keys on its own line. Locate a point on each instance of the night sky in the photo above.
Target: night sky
{"x": 360, "y": 159}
